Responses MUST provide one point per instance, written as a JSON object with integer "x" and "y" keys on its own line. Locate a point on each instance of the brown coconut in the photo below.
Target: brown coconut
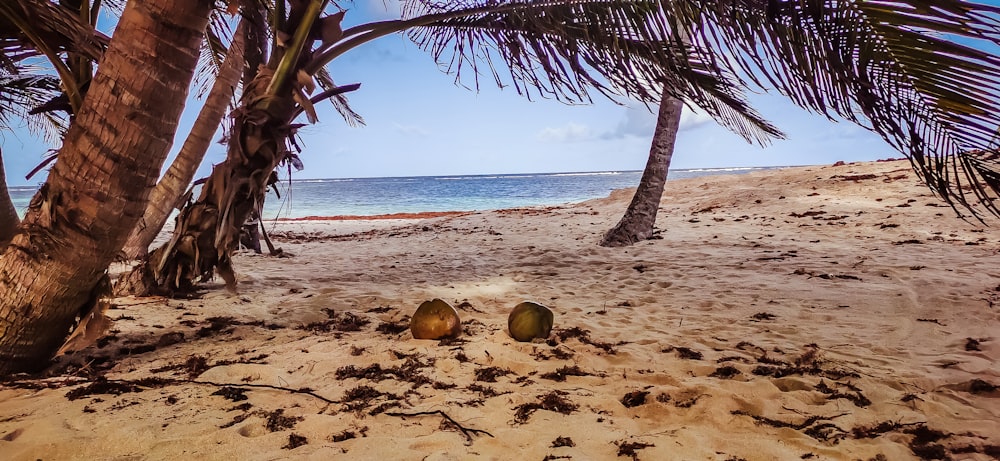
{"x": 435, "y": 319}
{"x": 529, "y": 320}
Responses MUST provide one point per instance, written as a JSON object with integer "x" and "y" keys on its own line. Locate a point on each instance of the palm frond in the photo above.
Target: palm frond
{"x": 561, "y": 49}
{"x": 339, "y": 101}
{"x": 912, "y": 71}
{"x": 218, "y": 37}
{"x": 24, "y": 90}
{"x": 258, "y": 34}
{"x": 31, "y": 21}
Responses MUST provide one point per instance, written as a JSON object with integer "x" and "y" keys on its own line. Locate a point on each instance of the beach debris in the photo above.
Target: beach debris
{"x": 295, "y": 441}
{"x": 762, "y": 316}
{"x": 466, "y": 431}
{"x": 530, "y": 320}
{"x": 634, "y": 398}
{"x": 93, "y": 322}
{"x": 560, "y": 374}
{"x": 583, "y": 336}
{"x": 726, "y": 372}
{"x": 490, "y": 374}
{"x": 563, "y": 442}
{"x": 435, "y": 319}
{"x": 553, "y": 401}
{"x": 685, "y": 353}
{"x": 628, "y": 449}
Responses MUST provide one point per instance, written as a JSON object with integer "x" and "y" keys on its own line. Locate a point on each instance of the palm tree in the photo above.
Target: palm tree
{"x": 165, "y": 196}
{"x": 862, "y": 61}
{"x": 31, "y": 29}
{"x": 875, "y": 63}
{"x": 640, "y": 216}
{"x": 98, "y": 186}
{"x": 245, "y": 53}
{"x": 207, "y": 230}
{"x": 887, "y": 45}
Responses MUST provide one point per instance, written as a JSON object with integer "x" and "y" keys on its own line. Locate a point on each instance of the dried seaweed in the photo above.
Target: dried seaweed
{"x": 361, "y": 397}
{"x": 409, "y": 371}
{"x": 563, "y": 442}
{"x": 634, "y": 398}
{"x": 232, "y": 393}
{"x": 584, "y": 337}
{"x": 561, "y": 373}
{"x": 467, "y": 432}
{"x": 553, "y": 401}
{"x": 392, "y": 327}
{"x": 726, "y": 372}
{"x": 295, "y": 441}
{"x": 490, "y": 374}
{"x": 684, "y": 353}
{"x": 857, "y": 398}
{"x": 342, "y": 436}
{"x": 485, "y": 391}
{"x": 346, "y": 322}
{"x": 277, "y": 421}
{"x": 629, "y": 448}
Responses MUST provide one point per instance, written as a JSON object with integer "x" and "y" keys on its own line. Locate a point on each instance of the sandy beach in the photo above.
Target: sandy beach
{"x": 822, "y": 313}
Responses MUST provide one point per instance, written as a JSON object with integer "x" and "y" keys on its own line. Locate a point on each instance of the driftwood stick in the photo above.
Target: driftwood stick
{"x": 467, "y": 432}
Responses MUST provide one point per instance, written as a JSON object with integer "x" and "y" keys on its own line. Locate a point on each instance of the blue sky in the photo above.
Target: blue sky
{"x": 419, "y": 122}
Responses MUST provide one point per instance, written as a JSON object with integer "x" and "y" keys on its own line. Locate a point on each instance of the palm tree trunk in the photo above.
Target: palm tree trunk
{"x": 8, "y": 214}
{"x": 208, "y": 229}
{"x": 167, "y": 193}
{"x": 98, "y": 187}
{"x": 637, "y": 223}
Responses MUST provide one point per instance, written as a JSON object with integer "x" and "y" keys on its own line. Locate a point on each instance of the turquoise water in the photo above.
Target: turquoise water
{"x": 372, "y": 196}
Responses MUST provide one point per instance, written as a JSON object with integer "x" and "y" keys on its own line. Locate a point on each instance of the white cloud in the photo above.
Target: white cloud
{"x": 691, "y": 119}
{"x": 410, "y": 130}
{"x": 572, "y": 132}
{"x": 641, "y": 122}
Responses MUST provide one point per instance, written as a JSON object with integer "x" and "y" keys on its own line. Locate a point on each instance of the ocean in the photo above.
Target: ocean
{"x": 374, "y": 196}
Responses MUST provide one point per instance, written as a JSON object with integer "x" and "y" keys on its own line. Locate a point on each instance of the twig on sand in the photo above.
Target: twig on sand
{"x": 302, "y": 390}
{"x": 467, "y": 432}
{"x": 155, "y": 382}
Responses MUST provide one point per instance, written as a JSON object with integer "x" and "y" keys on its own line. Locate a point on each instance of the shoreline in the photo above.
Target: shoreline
{"x": 398, "y": 216}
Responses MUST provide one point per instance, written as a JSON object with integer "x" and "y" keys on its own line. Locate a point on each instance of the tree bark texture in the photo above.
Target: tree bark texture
{"x": 637, "y": 223}
{"x": 208, "y": 229}
{"x": 8, "y": 214}
{"x": 167, "y": 194}
{"x": 98, "y": 187}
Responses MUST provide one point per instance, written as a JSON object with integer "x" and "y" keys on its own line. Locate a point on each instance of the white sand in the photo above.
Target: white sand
{"x": 834, "y": 304}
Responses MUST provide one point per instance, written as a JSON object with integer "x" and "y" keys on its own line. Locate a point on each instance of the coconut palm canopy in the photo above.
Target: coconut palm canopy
{"x": 913, "y": 71}
{"x": 31, "y": 31}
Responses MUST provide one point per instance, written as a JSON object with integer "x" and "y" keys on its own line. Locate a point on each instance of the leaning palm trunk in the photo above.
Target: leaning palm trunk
{"x": 98, "y": 187}
{"x": 166, "y": 195}
{"x": 8, "y": 215}
{"x": 208, "y": 230}
{"x": 637, "y": 223}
